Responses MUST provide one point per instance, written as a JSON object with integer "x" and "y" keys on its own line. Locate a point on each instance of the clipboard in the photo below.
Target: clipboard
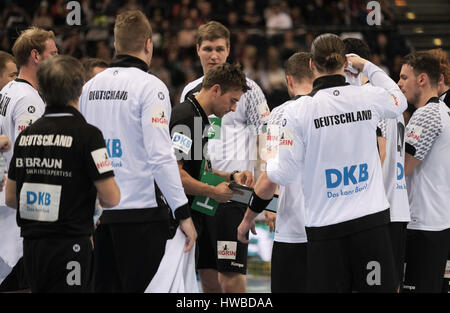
{"x": 242, "y": 193}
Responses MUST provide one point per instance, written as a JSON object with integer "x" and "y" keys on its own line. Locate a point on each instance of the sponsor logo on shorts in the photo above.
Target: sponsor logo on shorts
{"x": 226, "y": 250}
{"x": 240, "y": 265}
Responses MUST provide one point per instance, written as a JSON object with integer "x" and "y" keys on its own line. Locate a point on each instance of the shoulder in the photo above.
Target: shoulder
{"x": 191, "y": 86}
{"x": 182, "y": 112}
{"x": 254, "y": 88}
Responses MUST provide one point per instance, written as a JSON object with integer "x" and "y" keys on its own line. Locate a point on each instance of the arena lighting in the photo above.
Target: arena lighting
{"x": 410, "y": 16}
{"x": 419, "y": 30}
{"x": 437, "y": 41}
{"x": 400, "y": 3}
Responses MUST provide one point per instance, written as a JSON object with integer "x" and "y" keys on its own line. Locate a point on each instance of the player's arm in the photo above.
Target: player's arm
{"x": 10, "y": 194}
{"x": 381, "y": 140}
{"x": 108, "y": 192}
{"x": 420, "y": 135}
{"x": 221, "y": 193}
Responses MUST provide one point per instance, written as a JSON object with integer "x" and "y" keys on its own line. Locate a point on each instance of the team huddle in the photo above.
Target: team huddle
{"x": 105, "y": 176}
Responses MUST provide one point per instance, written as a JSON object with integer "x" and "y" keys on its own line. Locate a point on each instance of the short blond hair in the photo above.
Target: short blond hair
{"x": 131, "y": 31}
{"x": 29, "y": 39}
{"x": 211, "y": 31}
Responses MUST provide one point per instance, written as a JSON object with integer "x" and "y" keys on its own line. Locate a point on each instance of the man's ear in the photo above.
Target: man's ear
{"x": 422, "y": 79}
{"x": 148, "y": 45}
{"x": 289, "y": 81}
{"x": 35, "y": 56}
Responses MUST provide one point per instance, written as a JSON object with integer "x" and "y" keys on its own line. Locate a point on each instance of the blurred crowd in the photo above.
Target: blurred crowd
{"x": 264, "y": 33}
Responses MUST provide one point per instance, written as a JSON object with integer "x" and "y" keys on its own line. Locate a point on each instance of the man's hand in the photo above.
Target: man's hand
{"x": 357, "y": 62}
{"x": 270, "y": 218}
{"x": 5, "y": 143}
{"x": 244, "y": 178}
{"x": 222, "y": 193}
{"x": 243, "y": 229}
{"x": 187, "y": 226}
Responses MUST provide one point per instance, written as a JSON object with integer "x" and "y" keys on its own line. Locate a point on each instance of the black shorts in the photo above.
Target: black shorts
{"x": 58, "y": 264}
{"x": 127, "y": 255}
{"x": 397, "y": 231}
{"x": 217, "y": 244}
{"x": 16, "y": 279}
{"x": 361, "y": 262}
{"x": 288, "y": 268}
{"x": 426, "y": 257}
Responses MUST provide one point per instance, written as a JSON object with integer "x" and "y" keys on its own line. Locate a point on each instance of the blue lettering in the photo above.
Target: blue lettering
{"x": 349, "y": 175}
{"x": 337, "y": 173}
{"x": 117, "y": 149}
{"x": 335, "y": 177}
{"x": 176, "y": 138}
{"x": 107, "y": 142}
{"x": 363, "y": 174}
{"x": 400, "y": 171}
{"x": 114, "y": 148}
{"x": 31, "y": 197}
{"x": 47, "y": 199}
{"x": 41, "y": 198}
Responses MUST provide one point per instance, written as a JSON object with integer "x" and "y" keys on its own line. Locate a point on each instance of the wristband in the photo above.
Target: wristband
{"x": 257, "y": 204}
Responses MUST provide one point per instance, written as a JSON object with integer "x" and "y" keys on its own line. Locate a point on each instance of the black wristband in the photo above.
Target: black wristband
{"x": 182, "y": 212}
{"x": 257, "y": 204}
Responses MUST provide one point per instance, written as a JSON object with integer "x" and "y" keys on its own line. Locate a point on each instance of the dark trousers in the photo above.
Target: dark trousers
{"x": 127, "y": 255}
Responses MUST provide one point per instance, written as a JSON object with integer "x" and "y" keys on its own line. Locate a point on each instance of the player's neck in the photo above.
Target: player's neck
{"x": 302, "y": 89}
{"x": 28, "y": 74}
{"x": 202, "y": 99}
{"x": 425, "y": 95}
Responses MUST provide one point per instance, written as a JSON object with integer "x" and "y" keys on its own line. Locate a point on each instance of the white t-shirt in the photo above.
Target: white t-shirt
{"x": 333, "y": 133}
{"x": 393, "y": 130}
{"x": 290, "y": 220}
{"x": 428, "y": 139}
{"x": 132, "y": 109}
{"x": 236, "y": 147}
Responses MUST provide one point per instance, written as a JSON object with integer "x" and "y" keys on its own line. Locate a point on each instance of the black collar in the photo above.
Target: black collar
{"x": 328, "y": 81}
{"x": 55, "y": 109}
{"x": 198, "y": 108}
{"x": 20, "y": 80}
{"x": 433, "y": 99}
{"x": 124, "y": 60}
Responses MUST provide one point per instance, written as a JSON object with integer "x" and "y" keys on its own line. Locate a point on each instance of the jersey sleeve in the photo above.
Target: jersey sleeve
{"x": 26, "y": 111}
{"x": 381, "y": 128}
{"x": 96, "y": 156}
{"x": 422, "y": 130}
{"x": 256, "y": 107}
{"x": 285, "y": 166}
{"x": 386, "y": 98}
{"x": 156, "y": 109}
{"x": 12, "y": 170}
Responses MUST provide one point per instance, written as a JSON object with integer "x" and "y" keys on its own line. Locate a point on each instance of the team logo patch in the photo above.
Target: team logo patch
{"x": 413, "y": 134}
{"x": 264, "y": 111}
{"x": 226, "y": 250}
{"x": 101, "y": 160}
{"x": 336, "y": 93}
{"x": 25, "y": 121}
{"x": 160, "y": 118}
{"x": 286, "y": 138}
{"x": 31, "y": 109}
{"x": 284, "y": 122}
{"x": 160, "y": 96}
{"x": 40, "y": 202}
{"x": 181, "y": 142}
{"x": 76, "y": 248}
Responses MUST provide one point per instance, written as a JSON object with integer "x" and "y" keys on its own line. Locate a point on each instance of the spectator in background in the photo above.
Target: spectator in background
{"x": 42, "y": 17}
{"x": 276, "y": 19}
{"x": 58, "y": 12}
{"x": 93, "y": 66}
{"x": 8, "y": 68}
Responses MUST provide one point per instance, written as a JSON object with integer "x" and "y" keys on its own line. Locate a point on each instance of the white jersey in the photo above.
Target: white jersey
{"x": 333, "y": 131}
{"x": 20, "y": 106}
{"x": 234, "y": 146}
{"x": 132, "y": 109}
{"x": 290, "y": 220}
{"x": 393, "y": 130}
{"x": 428, "y": 139}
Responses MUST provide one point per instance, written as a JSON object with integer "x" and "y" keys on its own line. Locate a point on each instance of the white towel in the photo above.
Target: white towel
{"x": 11, "y": 244}
{"x": 176, "y": 272}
